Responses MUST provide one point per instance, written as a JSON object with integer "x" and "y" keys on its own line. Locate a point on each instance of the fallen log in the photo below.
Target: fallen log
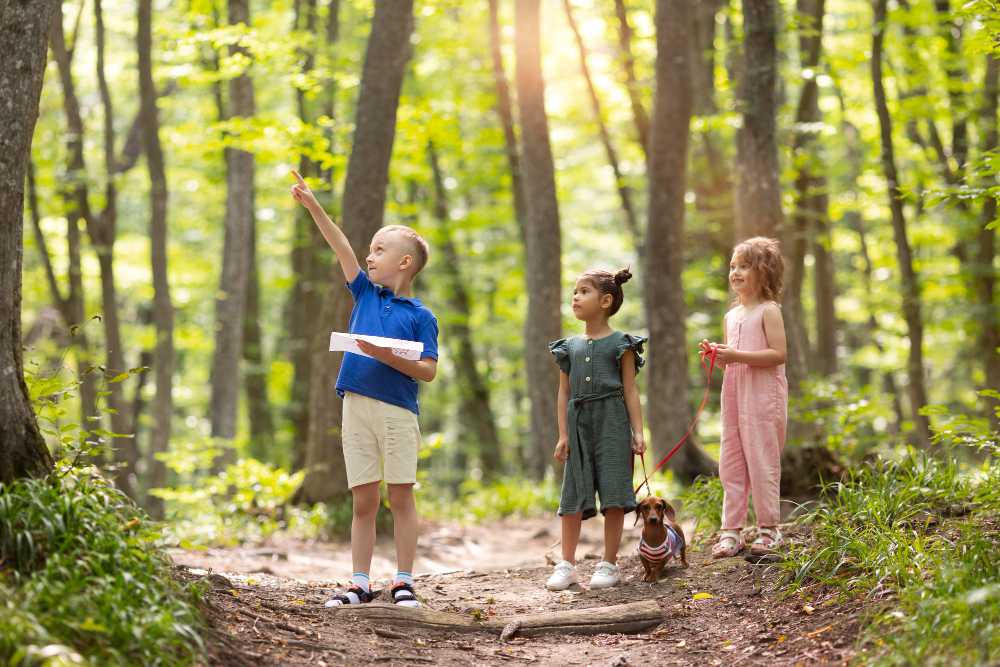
{"x": 622, "y": 618}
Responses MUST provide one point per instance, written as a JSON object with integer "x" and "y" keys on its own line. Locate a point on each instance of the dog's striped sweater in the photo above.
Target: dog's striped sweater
{"x": 671, "y": 546}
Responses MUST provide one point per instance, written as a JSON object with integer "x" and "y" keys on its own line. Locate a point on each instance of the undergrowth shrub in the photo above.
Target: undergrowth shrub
{"x": 82, "y": 580}
{"x": 918, "y": 537}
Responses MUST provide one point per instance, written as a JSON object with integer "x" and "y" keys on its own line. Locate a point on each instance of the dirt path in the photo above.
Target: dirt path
{"x": 267, "y": 606}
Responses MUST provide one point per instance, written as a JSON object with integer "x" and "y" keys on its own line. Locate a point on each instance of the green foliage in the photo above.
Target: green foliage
{"x": 918, "y": 535}
{"x": 848, "y": 421}
{"x": 248, "y": 501}
{"x": 500, "y": 499}
{"x": 703, "y": 501}
{"x": 83, "y": 580}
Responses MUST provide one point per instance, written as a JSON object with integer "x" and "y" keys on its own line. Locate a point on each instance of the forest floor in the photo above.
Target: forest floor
{"x": 266, "y": 605}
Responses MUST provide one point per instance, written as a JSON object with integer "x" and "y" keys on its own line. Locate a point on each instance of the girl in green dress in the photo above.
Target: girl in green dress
{"x": 600, "y": 424}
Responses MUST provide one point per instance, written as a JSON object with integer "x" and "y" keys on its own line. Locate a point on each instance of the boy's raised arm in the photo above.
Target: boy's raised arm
{"x": 333, "y": 234}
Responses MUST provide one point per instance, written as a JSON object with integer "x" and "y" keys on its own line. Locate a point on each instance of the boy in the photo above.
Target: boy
{"x": 380, "y": 393}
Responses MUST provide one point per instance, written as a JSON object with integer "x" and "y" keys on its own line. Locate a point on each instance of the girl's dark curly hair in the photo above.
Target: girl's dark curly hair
{"x": 609, "y": 283}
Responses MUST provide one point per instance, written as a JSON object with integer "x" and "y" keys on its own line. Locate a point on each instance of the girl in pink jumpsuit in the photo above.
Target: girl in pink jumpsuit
{"x": 754, "y": 397}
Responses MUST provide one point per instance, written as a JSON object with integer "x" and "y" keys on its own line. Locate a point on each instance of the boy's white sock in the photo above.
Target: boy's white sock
{"x": 362, "y": 581}
{"x": 403, "y": 577}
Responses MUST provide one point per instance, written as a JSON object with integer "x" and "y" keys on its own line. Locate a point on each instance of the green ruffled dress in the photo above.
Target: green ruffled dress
{"x": 600, "y": 436}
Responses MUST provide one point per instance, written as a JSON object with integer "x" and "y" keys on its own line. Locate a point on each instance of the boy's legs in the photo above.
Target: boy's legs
{"x": 400, "y": 445}
{"x": 366, "y": 501}
{"x": 405, "y": 524}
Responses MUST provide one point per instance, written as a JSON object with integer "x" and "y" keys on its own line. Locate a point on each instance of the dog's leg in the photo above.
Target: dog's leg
{"x": 684, "y": 558}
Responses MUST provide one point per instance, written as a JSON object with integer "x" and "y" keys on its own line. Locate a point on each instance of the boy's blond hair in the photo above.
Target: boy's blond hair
{"x": 418, "y": 245}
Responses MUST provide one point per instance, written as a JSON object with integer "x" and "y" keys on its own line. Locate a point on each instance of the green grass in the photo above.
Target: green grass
{"x": 703, "y": 501}
{"x": 82, "y": 580}
{"x": 918, "y": 538}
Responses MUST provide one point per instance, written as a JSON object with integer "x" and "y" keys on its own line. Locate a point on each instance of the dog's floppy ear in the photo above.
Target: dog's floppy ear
{"x": 640, "y": 511}
{"x": 668, "y": 510}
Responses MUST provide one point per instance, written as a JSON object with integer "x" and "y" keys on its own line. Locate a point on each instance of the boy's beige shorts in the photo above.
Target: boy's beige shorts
{"x": 376, "y": 434}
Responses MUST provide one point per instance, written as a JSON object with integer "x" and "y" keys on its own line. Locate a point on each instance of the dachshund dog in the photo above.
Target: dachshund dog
{"x": 662, "y": 537}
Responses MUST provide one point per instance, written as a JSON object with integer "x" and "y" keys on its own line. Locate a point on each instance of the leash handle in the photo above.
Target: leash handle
{"x": 709, "y": 369}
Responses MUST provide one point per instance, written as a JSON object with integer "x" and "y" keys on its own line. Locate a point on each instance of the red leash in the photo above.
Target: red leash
{"x": 709, "y": 368}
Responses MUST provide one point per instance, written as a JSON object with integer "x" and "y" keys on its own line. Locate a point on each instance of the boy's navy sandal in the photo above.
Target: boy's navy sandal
{"x": 354, "y": 595}
{"x": 403, "y": 595}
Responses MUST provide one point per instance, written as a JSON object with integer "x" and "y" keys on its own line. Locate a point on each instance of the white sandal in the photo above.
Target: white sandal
{"x": 729, "y": 544}
{"x": 768, "y": 539}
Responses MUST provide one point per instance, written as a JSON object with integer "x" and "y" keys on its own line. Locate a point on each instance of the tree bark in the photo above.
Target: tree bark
{"x": 255, "y": 366}
{"x": 230, "y": 305}
{"x": 758, "y": 211}
{"x": 506, "y": 114}
{"x": 103, "y": 233}
{"x": 989, "y": 339}
{"x": 954, "y": 67}
{"x": 624, "y": 191}
{"x": 910, "y": 286}
{"x": 665, "y": 308}
{"x": 163, "y": 310}
{"x": 758, "y": 196}
{"x": 475, "y": 414}
{"x": 542, "y": 243}
{"x": 24, "y": 28}
{"x": 74, "y": 194}
{"x": 363, "y": 208}
{"x": 704, "y": 56}
{"x": 310, "y": 258}
{"x": 811, "y": 219}
{"x": 631, "y": 617}
{"x": 639, "y": 116}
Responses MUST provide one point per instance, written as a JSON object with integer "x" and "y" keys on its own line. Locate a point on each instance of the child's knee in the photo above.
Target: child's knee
{"x": 401, "y": 497}
{"x": 366, "y": 500}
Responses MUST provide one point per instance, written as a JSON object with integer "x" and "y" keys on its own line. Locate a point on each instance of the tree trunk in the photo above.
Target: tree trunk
{"x": 624, "y": 191}
{"x": 954, "y": 67}
{"x": 505, "y": 112}
{"x": 363, "y": 208}
{"x": 666, "y": 312}
{"x": 542, "y": 243}
{"x": 989, "y": 339}
{"x": 103, "y": 233}
{"x": 704, "y": 56}
{"x": 758, "y": 211}
{"x": 230, "y": 305}
{"x": 625, "y": 618}
{"x": 475, "y": 415}
{"x": 255, "y": 366}
{"x": 163, "y": 310}
{"x": 758, "y": 196}
{"x": 910, "y": 286}
{"x": 639, "y": 116}
{"x": 74, "y": 193}
{"x": 310, "y": 257}
{"x": 811, "y": 218}
{"x": 23, "y": 30}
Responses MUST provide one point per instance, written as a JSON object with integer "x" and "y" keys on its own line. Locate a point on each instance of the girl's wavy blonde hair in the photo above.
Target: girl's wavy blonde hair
{"x": 764, "y": 257}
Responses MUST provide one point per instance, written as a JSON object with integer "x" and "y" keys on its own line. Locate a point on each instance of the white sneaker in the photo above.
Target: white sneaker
{"x": 563, "y": 577}
{"x": 605, "y": 576}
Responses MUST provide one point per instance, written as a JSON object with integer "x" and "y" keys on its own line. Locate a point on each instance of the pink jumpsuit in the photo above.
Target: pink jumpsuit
{"x": 754, "y": 411}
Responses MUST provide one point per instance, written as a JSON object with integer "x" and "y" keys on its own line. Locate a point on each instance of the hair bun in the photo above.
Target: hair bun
{"x": 622, "y": 276}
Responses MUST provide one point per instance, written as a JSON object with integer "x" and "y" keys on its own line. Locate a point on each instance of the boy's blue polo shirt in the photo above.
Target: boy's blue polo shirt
{"x": 379, "y": 312}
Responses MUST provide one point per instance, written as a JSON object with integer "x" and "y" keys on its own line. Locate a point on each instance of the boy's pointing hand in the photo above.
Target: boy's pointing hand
{"x": 301, "y": 192}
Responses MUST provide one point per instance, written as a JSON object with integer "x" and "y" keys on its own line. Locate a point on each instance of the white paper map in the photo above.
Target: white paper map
{"x": 347, "y": 342}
